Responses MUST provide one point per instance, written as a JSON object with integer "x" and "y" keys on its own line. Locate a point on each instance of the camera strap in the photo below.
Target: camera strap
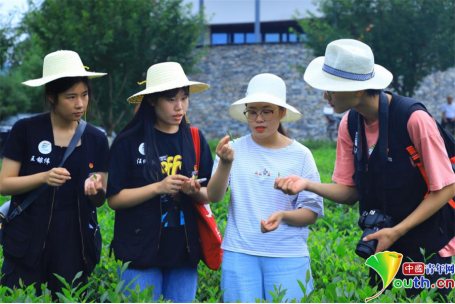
{"x": 37, "y": 192}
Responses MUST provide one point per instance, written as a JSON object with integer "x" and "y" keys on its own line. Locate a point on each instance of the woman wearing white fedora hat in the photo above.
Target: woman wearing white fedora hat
{"x": 254, "y": 262}
{"x": 386, "y": 147}
{"x": 151, "y": 186}
{"x": 50, "y": 161}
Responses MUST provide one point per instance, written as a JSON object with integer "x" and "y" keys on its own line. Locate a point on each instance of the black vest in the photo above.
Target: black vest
{"x": 26, "y": 234}
{"x": 137, "y": 230}
{"x": 390, "y": 182}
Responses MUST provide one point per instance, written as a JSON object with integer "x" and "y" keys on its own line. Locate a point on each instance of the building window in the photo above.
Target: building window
{"x": 239, "y": 38}
{"x": 250, "y": 38}
{"x": 270, "y": 38}
{"x": 219, "y": 38}
{"x": 292, "y": 38}
{"x": 284, "y": 37}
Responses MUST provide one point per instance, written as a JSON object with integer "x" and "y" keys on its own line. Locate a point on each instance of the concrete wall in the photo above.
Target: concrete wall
{"x": 228, "y": 69}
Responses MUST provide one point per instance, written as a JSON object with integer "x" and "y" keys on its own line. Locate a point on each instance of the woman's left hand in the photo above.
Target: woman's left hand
{"x": 272, "y": 223}
{"x": 191, "y": 186}
{"x": 93, "y": 185}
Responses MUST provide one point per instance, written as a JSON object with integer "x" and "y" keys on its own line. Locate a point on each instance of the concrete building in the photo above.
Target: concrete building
{"x": 252, "y": 21}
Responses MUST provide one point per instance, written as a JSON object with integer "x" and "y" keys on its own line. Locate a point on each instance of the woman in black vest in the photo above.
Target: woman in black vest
{"x": 151, "y": 187}
{"x": 58, "y": 233}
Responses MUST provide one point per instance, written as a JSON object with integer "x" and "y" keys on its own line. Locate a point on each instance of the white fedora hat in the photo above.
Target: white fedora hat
{"x": 265, "y": 88}
{"x": 61, "y": 64}
{"x": 167, "y": 76}
{"x": 348, "y": 65}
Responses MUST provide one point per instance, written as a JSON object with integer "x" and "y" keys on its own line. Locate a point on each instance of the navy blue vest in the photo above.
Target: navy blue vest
{"x": 389, "y": 181}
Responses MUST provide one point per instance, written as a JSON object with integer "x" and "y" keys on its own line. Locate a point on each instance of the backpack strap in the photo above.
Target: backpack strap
{"x": 37, "y": 192}
{"x": 353, "y": 117}
{"x": 197, "y": 144}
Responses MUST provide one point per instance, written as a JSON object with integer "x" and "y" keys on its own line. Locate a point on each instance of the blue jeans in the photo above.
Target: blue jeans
{"x": 246, "y": 277}
{"x": 176, "y": 284}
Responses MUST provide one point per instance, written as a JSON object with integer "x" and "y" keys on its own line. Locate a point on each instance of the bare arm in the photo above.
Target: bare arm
{"x": 338, "y": 193}
{"x": 429, "y": 206}
{"x": 128, "y": 198}
{"x": 300, "y": 217}
{"x": 13, "y": 184}
{"x": 219, "y": 181}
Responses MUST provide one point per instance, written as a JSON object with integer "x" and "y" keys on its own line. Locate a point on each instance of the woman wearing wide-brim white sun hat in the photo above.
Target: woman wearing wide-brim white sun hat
{"x": 62, "y": 220}
{"x": 254, "y": 260}
{"x": 62, "y": 64}
{"x": 153, "y": 159}
{"x": 348, "y": 66}
{"x": 167, "y": 76}
{"x": 265, "y": 88}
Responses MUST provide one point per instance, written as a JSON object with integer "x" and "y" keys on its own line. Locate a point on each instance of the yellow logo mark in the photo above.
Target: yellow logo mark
{"x": 172, "y": 164}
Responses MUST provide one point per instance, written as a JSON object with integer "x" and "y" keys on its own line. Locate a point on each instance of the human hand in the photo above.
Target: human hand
{"x": 191, "y": 186}
{"x": 93, "y": 185}
{"x": 224, "y": 151}
{"x": 386, "y": 237}
{"x": 171, "y": 184}
{"x": 56, "y": 177}
{"x": 272, "y": 223}
{"x": 292, "y": 184}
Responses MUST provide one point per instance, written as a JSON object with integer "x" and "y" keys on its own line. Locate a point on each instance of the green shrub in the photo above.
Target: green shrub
{"x": 339, "y": 274}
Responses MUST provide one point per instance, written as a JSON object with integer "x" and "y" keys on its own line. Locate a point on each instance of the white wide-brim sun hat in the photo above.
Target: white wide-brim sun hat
{"x": 167, "y": 76}
{"x": 348, "y": 66}
{"x": 265, "y": 88}
{"x": 61, "y": 64}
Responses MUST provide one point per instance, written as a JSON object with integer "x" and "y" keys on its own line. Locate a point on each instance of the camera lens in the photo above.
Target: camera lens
{"x": 366, "y": 249}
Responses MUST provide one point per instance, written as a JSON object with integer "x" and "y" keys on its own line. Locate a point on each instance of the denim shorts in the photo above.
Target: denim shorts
{"x": 246, "y": 278}
{"x": 176, "y": 284}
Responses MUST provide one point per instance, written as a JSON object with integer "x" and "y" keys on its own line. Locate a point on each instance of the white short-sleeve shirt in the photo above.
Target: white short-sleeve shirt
{"x": 253, "y": 198}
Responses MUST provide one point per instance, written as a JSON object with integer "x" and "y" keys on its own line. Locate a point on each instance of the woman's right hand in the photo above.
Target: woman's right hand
{"x": 56, "y": 177}
{"x": 172, "y": 184}
{"x": 224, "y": 151}
{"x": 292, "y": 184}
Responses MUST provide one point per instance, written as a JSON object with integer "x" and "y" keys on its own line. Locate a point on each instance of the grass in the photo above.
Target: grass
{"x": 339, "y": 275}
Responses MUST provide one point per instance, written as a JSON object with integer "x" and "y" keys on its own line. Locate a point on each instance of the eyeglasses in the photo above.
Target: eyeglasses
{"x": 329, "y": 95}
{"x": 253, "y": 115}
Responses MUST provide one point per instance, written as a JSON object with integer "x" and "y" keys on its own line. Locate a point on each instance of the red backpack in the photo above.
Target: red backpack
{"x": 210, "y": 236}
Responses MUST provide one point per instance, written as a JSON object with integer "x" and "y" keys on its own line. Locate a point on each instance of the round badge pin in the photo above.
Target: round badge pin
{"x": 45, "y": 147}
{"x": 142, "y": 149}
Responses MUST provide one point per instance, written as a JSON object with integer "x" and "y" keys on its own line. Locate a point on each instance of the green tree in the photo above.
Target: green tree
{"x": 121, "y": 38}
{"x": 411, "y": 38}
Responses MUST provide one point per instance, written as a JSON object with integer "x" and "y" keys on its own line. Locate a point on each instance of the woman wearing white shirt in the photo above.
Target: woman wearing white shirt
{"x": 254, "y": 262}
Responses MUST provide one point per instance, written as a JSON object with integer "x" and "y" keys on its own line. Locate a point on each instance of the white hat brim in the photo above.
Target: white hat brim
{"x": 236, "y": 109}
{"x": 40, "y": 81}
{"x": 317, "y": 78}
{"x": 195, "y": 87}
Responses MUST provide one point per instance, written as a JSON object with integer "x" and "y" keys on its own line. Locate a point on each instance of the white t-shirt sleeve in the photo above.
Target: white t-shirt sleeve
{"x": 306, "y": 199}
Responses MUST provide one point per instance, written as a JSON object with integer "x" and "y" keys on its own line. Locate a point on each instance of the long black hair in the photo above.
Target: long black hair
{"x": 144, "y": 120}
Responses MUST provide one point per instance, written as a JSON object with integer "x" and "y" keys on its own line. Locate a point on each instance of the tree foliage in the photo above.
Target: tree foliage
{"x": 121, "y": 38}
{"x": 411, "y": 38}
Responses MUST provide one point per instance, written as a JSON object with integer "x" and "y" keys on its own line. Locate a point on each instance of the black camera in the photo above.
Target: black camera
{"x": 371, "y": 222}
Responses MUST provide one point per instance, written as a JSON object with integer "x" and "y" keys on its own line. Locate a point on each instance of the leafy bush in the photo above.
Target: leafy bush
{"x": 339, "y": 274}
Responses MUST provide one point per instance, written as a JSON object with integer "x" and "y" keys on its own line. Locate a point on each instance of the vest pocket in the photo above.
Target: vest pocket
{"x": 128, "y": 233}
{"x": 17, "y": 238}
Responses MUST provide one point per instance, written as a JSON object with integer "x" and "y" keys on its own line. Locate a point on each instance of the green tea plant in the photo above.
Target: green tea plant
{"x": 339, "y": 275}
